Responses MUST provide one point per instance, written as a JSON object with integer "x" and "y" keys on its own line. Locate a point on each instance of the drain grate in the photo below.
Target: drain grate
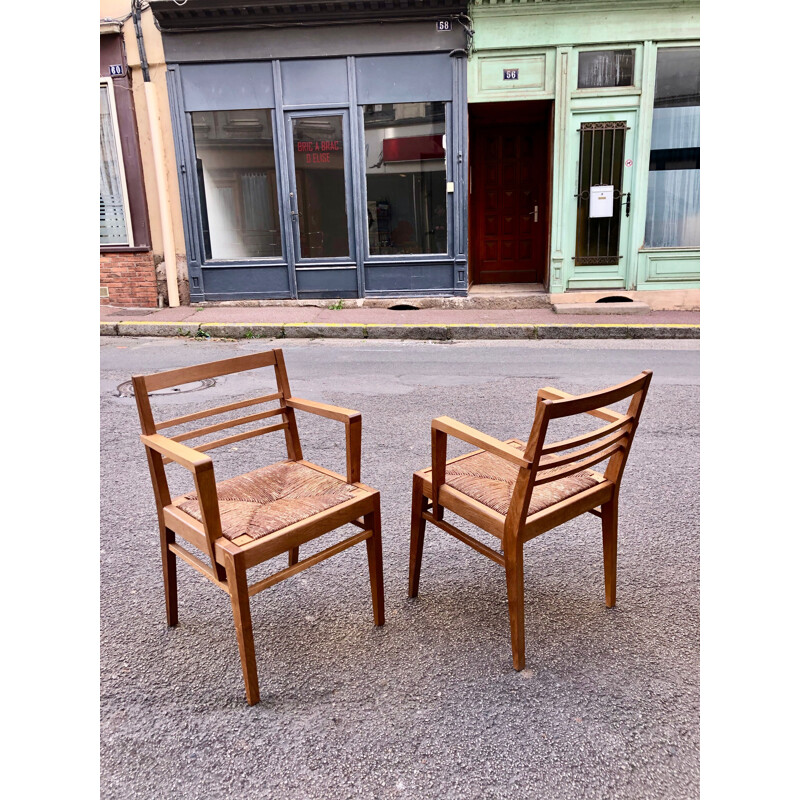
{"x": 126, "y": 389}
{"x": 403, "y": 307}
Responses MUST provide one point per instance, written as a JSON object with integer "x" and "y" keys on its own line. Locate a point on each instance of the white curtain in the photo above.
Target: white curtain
{"x": 673, "y": 195}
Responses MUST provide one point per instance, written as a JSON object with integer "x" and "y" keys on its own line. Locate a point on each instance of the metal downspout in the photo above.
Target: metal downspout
{"x": 157, "y": 142}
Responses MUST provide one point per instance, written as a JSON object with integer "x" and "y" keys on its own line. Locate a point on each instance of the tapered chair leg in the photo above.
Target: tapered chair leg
{"x": 417, "y": 536}
{"x": 516, "y": 602}
{"x": 609, "y": 513}
{"x": 170, "y": 575}
{"x": 375, "y": 559}
{"x": 240, "y": 603}
{"x": 294, "y": 556}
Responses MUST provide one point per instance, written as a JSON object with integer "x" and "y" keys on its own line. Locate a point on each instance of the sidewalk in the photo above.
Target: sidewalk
{"x": 277, "y": 322}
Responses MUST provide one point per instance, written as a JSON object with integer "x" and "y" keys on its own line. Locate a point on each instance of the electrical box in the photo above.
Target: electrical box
{"x": 601, "y": 201}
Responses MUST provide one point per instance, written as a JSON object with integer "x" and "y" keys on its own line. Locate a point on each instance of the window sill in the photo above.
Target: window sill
{"x": 689, "y": 248}
{"x": 607, "y": 91}
{"x": 122, "y": 248}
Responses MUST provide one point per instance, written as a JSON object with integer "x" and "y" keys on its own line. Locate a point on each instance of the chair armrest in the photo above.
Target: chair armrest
{"x": 323, "y": 409}
{"x": 454, "y": 428}
{"x": 352, "y": 429}
{"x": 441, "y": 427}
{"x": 175, "y": 451}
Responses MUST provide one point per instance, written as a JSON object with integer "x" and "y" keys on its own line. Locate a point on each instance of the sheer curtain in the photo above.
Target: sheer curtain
{"x": 673, "y": 194}
{"x": 673, "y": 189}
{"x": 113, "y": 229}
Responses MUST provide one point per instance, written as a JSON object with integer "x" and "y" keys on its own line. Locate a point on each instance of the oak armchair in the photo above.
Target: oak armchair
{"x": 517, "y": 491}
{"x": 244, "y": 521}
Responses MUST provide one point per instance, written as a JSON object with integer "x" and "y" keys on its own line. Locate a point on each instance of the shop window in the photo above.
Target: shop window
{"x": 406, "y": 178}
{"x": 599, "y": 69}
{"x": 238, "y": 191}
{"x": 113, "y": 197}
{"x": 673, "y": 189}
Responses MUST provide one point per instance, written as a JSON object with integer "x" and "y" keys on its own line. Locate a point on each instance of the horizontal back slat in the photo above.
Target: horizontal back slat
{"x": 588, "y": 402}
{"x": 175, "y": 377}
{"x": 577, "y": 441}
{"x": 577, "y": 467}
{"x": 238, "y": 437}
{"x": 220, "y": 426}
{"x": 553, "y": 462}
{"x": 211, "y": 412}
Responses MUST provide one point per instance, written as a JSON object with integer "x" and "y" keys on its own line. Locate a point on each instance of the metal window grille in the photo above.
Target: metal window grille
{"x": 602, "y": 152}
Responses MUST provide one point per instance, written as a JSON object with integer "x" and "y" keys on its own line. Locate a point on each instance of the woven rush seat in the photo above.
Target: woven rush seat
{"x": 270, "y": 498}
{"x": 490, "y": 480}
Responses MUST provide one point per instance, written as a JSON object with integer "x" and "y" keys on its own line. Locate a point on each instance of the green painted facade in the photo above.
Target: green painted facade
{"x": 543, "y": 40}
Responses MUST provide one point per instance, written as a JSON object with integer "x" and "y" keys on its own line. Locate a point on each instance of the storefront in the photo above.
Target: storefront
{"x": 320, "y": 159}
{"x": 584, "y": 145}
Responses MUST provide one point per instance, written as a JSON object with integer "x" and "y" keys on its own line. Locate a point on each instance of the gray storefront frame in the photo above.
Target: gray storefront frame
{"x": 343, "y": 83}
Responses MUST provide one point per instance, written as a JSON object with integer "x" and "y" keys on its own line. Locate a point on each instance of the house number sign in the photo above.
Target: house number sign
{"x": 115, "y": 69}
{"x": 444, "y": 25}
{"x": 510, "y": 74}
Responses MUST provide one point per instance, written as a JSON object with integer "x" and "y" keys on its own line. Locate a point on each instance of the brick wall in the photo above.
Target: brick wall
{"x": 130, "y": 279}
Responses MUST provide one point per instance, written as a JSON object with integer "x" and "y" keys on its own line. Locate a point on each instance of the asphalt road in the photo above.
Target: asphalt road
{"x": 429, "y": 706}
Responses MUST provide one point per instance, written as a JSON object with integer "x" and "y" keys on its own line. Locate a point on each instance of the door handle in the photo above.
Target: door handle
{"x": 534, "y": 213}
{"x": 628, "y": 205}
{"x": 295, "y": 214}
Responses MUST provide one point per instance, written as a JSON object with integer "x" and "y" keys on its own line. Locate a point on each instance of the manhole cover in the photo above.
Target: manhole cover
{"x": 126, "y": 389}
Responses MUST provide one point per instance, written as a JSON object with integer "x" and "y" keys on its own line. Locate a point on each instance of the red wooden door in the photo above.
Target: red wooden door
{"x": 508, "y": 203}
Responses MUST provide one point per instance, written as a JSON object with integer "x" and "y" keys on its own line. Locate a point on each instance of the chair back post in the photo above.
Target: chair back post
{"x": 293, "y": 449}
{"x": 523, "y": 488}
{"x": 616, "y": 464}
{"x": 155, "y": 462}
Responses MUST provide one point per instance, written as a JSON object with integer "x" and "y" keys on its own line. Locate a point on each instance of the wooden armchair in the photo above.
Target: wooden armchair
{"x": 516, "y": 491}
{"x": 239, "y": 523}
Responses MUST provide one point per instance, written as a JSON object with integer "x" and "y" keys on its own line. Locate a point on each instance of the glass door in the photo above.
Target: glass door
{"x": 320, "y": 198}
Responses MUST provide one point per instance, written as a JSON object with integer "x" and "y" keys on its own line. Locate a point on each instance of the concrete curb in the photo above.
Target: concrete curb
{"x": 432, "y": 332}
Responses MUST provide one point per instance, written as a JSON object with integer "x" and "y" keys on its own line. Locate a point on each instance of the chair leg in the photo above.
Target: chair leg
{"x": 294, "y": 556}
{"x": 375, "y": 559}
{"x": 240, "y": 603}
{"x": 168, "y": 562}
{"x": 516, "y": 602}
{"x": 417, "y": 537}
{"x": 609, "y": 517}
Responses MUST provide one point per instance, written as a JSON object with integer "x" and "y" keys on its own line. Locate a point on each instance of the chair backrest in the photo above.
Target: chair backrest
{"x": 560, "y": 459}
{"x": 204, "y": 477}
{"x": 144, "y": 384}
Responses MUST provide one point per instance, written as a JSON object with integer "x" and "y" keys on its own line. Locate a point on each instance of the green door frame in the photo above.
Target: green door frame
{"x": 618, "y": 276}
